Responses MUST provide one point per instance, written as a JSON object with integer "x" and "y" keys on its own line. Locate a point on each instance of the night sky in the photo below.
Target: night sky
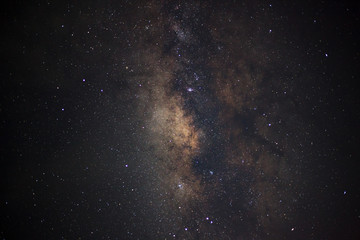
{"x": 180, "y": 120}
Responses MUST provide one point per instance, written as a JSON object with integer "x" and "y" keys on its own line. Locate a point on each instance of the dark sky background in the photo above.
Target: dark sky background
{"x": 180, "y": 120}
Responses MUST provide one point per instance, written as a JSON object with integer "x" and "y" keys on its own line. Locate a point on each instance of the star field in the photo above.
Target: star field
{"x": 180, "y": 120}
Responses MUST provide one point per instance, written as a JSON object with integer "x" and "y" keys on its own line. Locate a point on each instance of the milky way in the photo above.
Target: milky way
{"x": 180, "y": 120}
{"x": 222, "y": 146}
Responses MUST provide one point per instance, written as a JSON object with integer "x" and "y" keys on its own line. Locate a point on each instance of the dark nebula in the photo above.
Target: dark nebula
{"x": 180, "y": 120}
